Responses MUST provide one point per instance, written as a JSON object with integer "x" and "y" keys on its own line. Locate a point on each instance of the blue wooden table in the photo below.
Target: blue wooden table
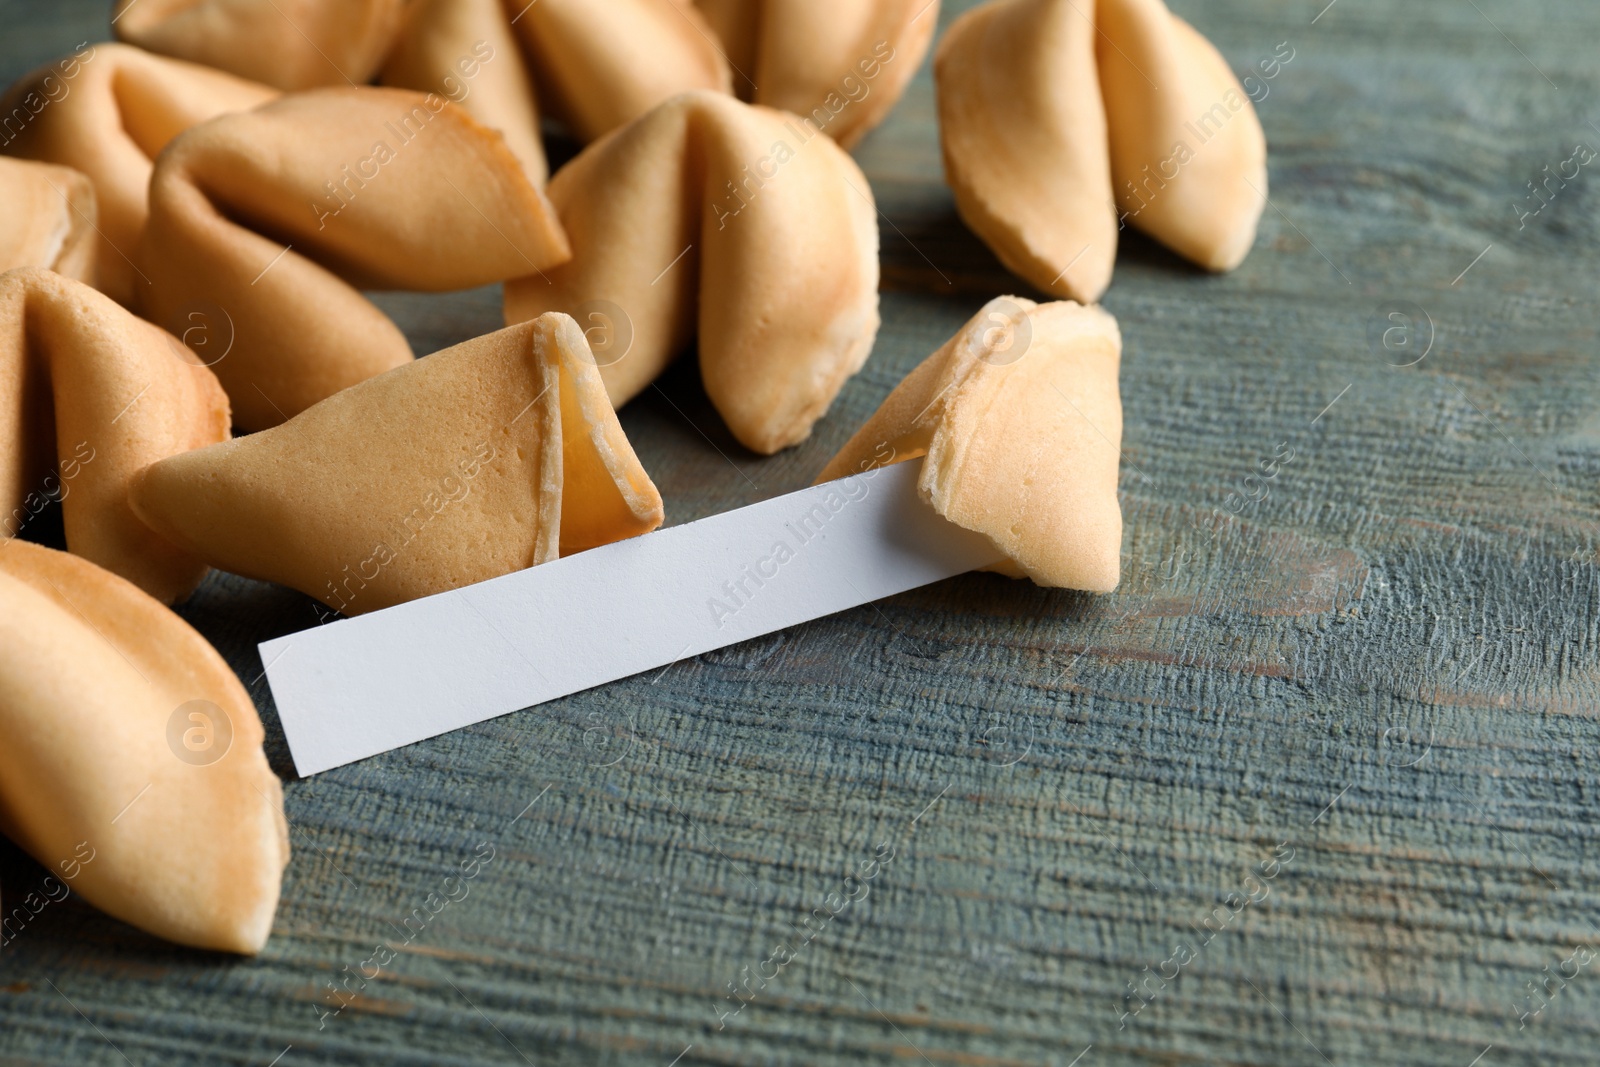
{"x": 1320, "y": 789}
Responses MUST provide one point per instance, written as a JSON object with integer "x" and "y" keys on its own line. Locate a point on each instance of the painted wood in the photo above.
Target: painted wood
{"x": 1369, "y": 703}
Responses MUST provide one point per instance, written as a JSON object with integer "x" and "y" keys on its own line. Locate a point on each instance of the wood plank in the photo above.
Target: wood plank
{"x": 1389, "y": 665}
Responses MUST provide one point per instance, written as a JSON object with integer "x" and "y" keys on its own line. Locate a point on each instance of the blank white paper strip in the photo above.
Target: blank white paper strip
{"x": 357, "y": 687}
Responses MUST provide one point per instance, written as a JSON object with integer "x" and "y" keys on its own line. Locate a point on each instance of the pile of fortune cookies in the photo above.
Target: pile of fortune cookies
{"x": 220, "y": 159}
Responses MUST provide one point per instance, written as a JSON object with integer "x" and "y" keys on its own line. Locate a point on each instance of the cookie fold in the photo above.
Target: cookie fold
{"x": 132, "y": 767}
{"x": 841, "y": 63}
{"x": 291, "y": 44}
{"x": 89, "y": 396}
{"x": 48, "y": 219}
{"x": 108, "y": 110}
{"x": 739, "y": 223}
{"x": 271, "y": 220}
{"x": 495, "y": 455}
{"x": 1062, "y": 122}
{"x": 1018, "y": 421}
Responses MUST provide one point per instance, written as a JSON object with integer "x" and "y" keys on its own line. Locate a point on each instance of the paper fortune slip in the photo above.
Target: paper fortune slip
{"x": 357, "y": 687}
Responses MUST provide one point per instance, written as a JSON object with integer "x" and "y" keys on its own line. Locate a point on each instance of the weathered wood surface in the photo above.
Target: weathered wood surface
{"x": 1389, "y": 665}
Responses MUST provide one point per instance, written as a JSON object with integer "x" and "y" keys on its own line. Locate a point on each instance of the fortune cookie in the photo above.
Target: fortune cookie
{"x": 600, "y": 66}
{"x": 292, "y": 44}
{"x": 486, "y": 458}
{"x": 267, "y": 222}
{"x": 596, "y": 65}
{"x": 1019, "y": 419}
{"x": 108, "y": 110}
{"x": 734, "y": 221}
{"x": 90, "y": 395}
{"x": 48, "y": 219}
{"x": 841, "y": 63}
{"x": 1063, "y": 121}
{"x": 467, "y": 51}
{"x": 132, "y": 766}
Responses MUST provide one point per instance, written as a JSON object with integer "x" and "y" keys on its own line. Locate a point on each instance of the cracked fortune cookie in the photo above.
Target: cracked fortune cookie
{"x": 90, "y": 395}
{"x": 495, "y": 455}
{"x": 108, "y": 110}
{"x": 1061, "y": 125}
{"x": 48, "y": 219}
{"x": 1018, "y": 421}
{"x": 739, "y": 224}
{"x": 270, "y": 220}
{"x": 841, "y": 63}
{"x": 132, "y": 766}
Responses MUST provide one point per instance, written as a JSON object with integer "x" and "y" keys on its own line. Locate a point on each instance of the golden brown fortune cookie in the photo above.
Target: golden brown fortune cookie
{"x": 266, "y": 224}
{"x": 108, "y": 110}
{"x": 292, "y": 44}
{"x": 600, "y": 66}
{"x": 1061, "y": 121}
{"x": 596, "y": 66}
{"x": 841, "y": 63}
{"x": 1019, "y": 419}
{"x": 467, "y": 51}
{"x": 132, "y": 767}
{"x": 90, "y": 395}
{"x": 47, "y": 219}
{"x": 486, "y": 458}
{"x": 739, "y": 223}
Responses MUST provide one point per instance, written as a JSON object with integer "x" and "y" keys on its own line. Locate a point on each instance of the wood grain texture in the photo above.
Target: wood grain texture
{"x": 1390, "y": 665}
